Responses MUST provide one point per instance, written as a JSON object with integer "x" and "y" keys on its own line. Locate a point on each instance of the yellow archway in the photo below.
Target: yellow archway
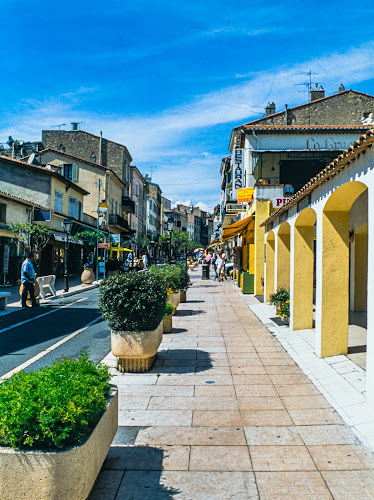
{"x": 270, "y": 260}
{"x": 335, "y": 268}
{"x": 303, "y": 276}
{"x": 283, "y": 256}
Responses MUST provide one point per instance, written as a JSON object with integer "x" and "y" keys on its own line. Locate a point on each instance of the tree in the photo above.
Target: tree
{"x": 34, "y": 237}
{"x": 89, "y": 238}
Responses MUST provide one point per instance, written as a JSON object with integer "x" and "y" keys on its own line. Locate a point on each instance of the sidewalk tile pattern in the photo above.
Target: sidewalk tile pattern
{"x": 225, "y": 413}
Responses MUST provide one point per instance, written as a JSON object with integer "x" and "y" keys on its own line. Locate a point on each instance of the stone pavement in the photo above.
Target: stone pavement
{"x": 227, "y": 414}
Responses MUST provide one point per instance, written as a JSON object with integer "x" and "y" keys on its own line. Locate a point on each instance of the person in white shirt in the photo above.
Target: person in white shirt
{"x": 220, "y": 267}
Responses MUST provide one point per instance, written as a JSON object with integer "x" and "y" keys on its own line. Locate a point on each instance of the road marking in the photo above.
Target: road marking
{"x": 48, "y": 350}
{"x": 40, "y": 316}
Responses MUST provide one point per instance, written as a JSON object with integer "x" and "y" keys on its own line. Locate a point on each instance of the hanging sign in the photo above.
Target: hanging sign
{"x": 6, "y": 259}
{"x": 115, "y": 238}
{"x": 104, "y": 245}
{"x": 245, "y": 195}
{"x": 238, "y": 172}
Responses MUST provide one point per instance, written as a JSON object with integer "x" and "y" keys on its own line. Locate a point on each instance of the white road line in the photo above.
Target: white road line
{"x": 40, "y": 316}
{"x": 50, "y": 349}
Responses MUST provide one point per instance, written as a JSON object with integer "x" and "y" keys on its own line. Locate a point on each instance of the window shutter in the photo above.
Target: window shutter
{"x": 75, "y": 172}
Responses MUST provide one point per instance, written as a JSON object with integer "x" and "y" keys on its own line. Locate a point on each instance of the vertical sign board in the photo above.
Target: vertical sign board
{"x": 238, "y": 172}
{"x": 6, "y": 259}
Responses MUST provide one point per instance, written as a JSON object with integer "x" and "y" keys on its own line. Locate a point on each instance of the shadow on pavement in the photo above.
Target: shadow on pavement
{"x": 188, "y": 312}
{"x": 177, "y": 330}
{"x": 181, "y": 361}
{"x": 195, "y": 301}
{"x": 141, "y": 466}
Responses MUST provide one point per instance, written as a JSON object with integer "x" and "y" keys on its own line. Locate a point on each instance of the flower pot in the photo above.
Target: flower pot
{"x": 174, "y": 301}
{"x": 59, "y": 474}
{"x": 87, "y": 276}
{"x": 136, "y": 351}
{"x": 168, "y": 323}
{"x": 183, "y": 296}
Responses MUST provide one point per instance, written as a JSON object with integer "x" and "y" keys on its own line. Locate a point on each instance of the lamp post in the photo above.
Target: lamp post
{"x": 102, "y": 209}
{"x": 170, "y": 230}
{"x": 67, "y": 224}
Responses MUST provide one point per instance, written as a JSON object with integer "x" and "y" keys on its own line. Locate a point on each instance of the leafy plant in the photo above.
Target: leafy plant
{"x": 34, "y": 237}
{"x": 133, "y": 301}
{"x": 168, "y": 309}
{"x": 281, "y": 295}
{"x": 184, "y": 276}
{"x": 171, "y": 274}
{"x": 54, "y": 407}
{"x": 284, "y": 310}
{"x": 89, "y": 238}
{"x": 88, "y": 265}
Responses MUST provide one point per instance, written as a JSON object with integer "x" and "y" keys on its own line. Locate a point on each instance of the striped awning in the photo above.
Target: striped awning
{"x": 237, "y": 228}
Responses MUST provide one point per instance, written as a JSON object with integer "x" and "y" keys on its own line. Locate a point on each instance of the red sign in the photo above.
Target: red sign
{"x": 104, "y": 245}
{"x": 279, "y": 202}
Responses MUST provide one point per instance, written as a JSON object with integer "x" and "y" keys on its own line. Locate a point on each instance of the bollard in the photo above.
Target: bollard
{"x": 205, "y": 274}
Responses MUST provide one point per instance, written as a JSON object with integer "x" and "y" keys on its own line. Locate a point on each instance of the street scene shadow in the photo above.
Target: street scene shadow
{"x": 195, "y": 301}
{"x": 181, "y": 361}
{"x": 188, "y": 312}
{"x": 142, "y": 467}
{"x": 177, "y": 330}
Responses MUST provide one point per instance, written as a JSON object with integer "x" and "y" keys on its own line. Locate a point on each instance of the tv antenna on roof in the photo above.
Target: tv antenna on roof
{"x": 308, "y": 84}
{"x": 59, "y": 126}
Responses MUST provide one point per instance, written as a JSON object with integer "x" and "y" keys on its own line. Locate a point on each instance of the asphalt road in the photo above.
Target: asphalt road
{"x": 33, "y": 333}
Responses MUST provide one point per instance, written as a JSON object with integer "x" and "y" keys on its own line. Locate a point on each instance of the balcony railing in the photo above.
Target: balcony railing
{"x": 116, "y": 220}
{"x": 233, "y": 208}
{"x": 128, "y": 205}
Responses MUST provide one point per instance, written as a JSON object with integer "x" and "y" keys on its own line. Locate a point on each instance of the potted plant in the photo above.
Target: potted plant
{"x": 281, "y": 299}
{"x": 133, "y": 304}
{"x": 52, "y": 421}
{"x": 88, "y": 275}
{"x": 171, "y": 275}
{"x": 184, "y": 281}
{"x": 168, "y": 318}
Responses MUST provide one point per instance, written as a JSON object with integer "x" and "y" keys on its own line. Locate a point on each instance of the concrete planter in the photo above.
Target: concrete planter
{"x": 59, "y": 475}
{"x": 136, "y": 351}
{"x": 87, "y": 276}
{"x": 174, "y": 300}
{"x": 168, "y": 323}
{"x": 183, "y": 296}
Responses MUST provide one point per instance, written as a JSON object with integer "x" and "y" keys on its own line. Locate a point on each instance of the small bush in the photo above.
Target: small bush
{"x": 170, "y": 273}
{"x": 168, "y": 309}
{"x": 281, "y": 295}
{"x": 54, "y": 407}
{"x": 133, "y": 301}
{"x": 184, "y": 276}
{"x": 284, "y": 310}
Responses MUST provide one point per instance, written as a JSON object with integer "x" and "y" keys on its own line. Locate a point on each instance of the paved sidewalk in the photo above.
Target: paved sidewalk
{"x": 227, "y": 414}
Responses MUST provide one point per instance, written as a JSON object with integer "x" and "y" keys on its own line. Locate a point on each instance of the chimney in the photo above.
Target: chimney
{"x": 270, "y": 109}
{"x": 341, "y": 88}
{"x": 317, "y": 93}
{"x": 74, "y": 125}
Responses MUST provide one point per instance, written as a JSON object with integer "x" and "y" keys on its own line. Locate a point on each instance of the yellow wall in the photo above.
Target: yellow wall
{"x": 283, "y": 256}
{"x": 270, "y": 260}
{"x": 261, "y": 211}
{"x": 361, "y": 270}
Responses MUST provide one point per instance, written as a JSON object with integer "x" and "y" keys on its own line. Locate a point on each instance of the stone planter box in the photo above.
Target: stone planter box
{"x": 59, "y": 475}
{"x": 136, "y": 351}
{"x": 168, "y": 323}
{"x": 183, "y": 296}
{"x": 174, "y": 300}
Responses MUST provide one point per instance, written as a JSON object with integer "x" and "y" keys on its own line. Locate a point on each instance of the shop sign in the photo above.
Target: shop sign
{"x": 245, "y": 194}
{"x": 6, "y": 259}
{"x": 238, "y": 171}
{"x": 279, "y": 202}
{"x": 115, "y": 238}
{"x": 42, "y": 215}
{"x": 104, "y": 245}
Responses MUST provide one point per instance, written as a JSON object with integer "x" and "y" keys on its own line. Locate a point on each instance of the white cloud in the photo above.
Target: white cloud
{"x": 203, "y": 206}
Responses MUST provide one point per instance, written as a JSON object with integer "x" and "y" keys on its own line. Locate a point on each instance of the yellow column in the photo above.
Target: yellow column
{"x": 251, "y": 248}
{"x": 283, "y": 259}
{"x": 302, "y": 304}
{"x": 270, "y": 253}
{"x": 335, "y": 283}
{"x": 245, "y": 253}
{"x": 262, "y": 212}
{"x": 361, "y": 269}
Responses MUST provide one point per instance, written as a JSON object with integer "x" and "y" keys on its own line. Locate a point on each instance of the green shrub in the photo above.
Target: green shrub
{"x": 184, "y": 276}
{"x": 133, "y": 301}
{"x": 170, "y": 273}
{"x": 284, "y": 310}
{"x": 53, "y": 407}
{"x": 168, "y": 309}
{"x": 281, "y": 295}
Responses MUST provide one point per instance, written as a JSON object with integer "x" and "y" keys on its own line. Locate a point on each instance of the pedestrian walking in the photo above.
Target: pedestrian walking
{"x": 145, "y": 260}
{"x": 220, "y": 265}
{"x": 28, "y": 279}
{"x": 208, "y": 258}
{"x": 214, "y": 263}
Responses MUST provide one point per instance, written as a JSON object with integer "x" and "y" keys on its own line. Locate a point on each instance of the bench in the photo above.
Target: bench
{"x": 47, "y": 285}
{"x": 3, "y": 299}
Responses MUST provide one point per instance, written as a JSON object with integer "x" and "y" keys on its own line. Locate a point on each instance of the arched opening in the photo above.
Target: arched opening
{"x": 302, "y": 289}
{"x": 283, "y": 256}
{"x": 269, "y": 265}
{"x": 344, "y": 266}
{"x": 93, "y": 157}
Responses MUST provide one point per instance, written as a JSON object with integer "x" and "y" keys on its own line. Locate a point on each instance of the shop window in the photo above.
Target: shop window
{"x": 59, "y": 198}
{"x": 2, "y": 212}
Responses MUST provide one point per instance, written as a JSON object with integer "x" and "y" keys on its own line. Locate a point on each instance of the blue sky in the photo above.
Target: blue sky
{"x": 171, "y": 79}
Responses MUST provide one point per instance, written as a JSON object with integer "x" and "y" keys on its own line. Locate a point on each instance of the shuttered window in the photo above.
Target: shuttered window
{"x": 59, "y": 198}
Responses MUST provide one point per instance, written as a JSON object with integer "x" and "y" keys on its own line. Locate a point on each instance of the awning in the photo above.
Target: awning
{"x": 237, "y": 228}
{"x": 214, "y": 243}
{"x": 60, "y": 236}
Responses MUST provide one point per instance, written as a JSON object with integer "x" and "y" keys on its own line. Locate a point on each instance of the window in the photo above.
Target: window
{"x": 93, "y": 157}
{"x": 75, "y": 208}
{"x": 2, "y": 212}
{"x": 137, "y": 189}
{"x": 117, "y": 207}
{"x": 59, "y": 198}
{"x": 68, "y": 172}
{"x": 179, "y": 223}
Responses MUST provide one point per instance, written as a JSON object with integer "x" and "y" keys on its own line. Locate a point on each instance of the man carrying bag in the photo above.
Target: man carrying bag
{"x": 28, "y": 279}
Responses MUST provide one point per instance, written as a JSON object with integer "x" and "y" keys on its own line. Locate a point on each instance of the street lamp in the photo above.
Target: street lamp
{"x": 67, "y": 225}
{"x": 102, "y": 209}
{"x": 170, "y": 230}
